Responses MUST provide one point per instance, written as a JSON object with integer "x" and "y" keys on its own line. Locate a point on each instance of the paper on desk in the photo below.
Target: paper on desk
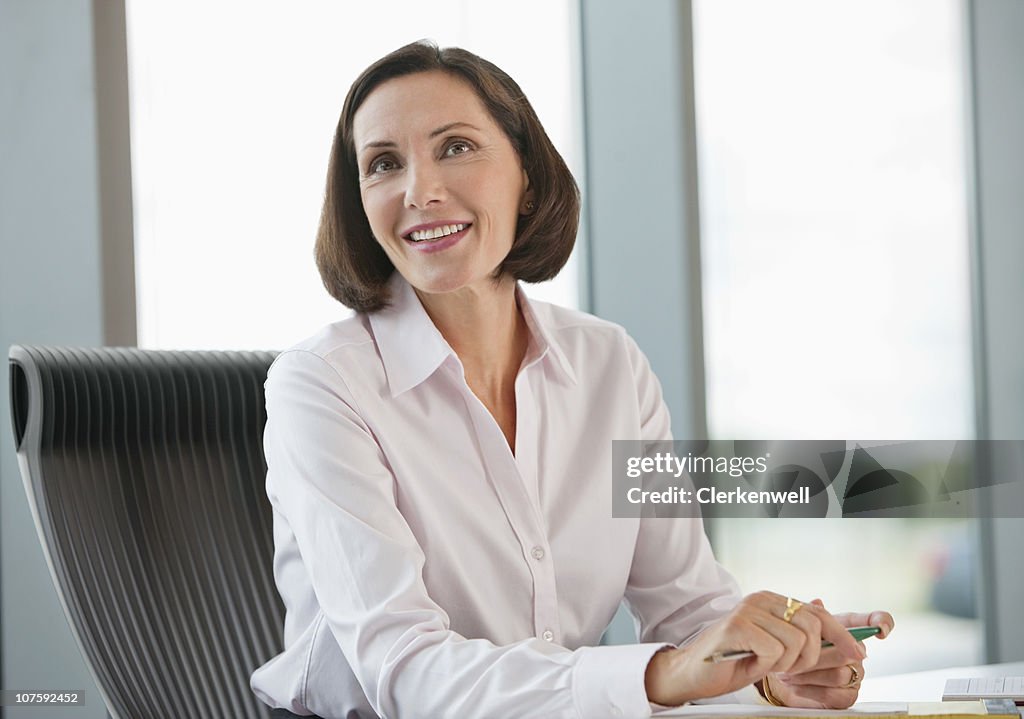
{"x": 695, "y": 711}
{"x": 933, "y": 708}
{"x": 861, "y": 709}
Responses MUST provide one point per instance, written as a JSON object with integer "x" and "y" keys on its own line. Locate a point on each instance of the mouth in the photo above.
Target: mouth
{"x": 435, "y": 239}
{"x": 434, "y": 234}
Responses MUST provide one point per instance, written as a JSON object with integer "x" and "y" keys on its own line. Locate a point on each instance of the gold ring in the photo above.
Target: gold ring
{"x": 792, "y": 607}
{"x": 854, "y": 677}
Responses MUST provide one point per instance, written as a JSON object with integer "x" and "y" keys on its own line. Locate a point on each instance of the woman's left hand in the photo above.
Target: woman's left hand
{"x": 834, "y": 682}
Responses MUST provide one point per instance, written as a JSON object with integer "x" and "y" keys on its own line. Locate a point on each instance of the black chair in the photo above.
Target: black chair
{"x": 145, "y": 475}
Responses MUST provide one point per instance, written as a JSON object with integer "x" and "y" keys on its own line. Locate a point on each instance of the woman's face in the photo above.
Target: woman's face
{"x": 440, "y": 182}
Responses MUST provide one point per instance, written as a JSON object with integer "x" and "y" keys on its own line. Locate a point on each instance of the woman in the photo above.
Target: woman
{"x": 437, "y": 464}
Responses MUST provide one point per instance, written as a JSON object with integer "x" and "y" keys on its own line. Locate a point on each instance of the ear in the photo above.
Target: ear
{"x": 528, "y": 204}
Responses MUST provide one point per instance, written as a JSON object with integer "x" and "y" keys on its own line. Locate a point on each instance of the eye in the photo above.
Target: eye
{"x": 382, "y": 164}
{"x": 457, "y": 147}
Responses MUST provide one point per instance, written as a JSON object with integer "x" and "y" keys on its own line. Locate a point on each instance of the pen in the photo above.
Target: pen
{"x": 859, "y": 633}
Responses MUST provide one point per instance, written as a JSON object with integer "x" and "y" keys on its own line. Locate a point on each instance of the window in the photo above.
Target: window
{"x": 234, "y": 106}
{"x": 836, "y": 282}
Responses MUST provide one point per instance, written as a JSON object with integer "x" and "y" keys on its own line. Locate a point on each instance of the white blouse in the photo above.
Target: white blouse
{"x": 426, "y": 570}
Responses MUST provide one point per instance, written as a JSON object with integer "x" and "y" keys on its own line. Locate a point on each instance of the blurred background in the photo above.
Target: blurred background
{"x": 805, "y": 211}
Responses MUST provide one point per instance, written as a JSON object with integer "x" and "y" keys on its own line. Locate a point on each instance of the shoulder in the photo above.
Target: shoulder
{"x": 583, "y": 336}
{"x": 576, "y": 325}
{"x": 339, "y": 354}
{"x": 336, "y": 339}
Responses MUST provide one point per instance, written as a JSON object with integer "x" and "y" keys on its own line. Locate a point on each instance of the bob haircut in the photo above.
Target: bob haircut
{"x": 354, "y": 268}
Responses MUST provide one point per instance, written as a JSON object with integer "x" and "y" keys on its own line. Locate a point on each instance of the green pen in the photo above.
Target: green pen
{"x": 858, "y": 633}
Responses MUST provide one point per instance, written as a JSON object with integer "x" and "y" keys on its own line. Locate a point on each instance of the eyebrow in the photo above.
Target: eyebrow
{"x": 434, "y": 133}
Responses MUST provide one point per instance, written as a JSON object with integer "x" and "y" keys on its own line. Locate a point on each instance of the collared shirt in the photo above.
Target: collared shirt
{"x": 429, "y": 571}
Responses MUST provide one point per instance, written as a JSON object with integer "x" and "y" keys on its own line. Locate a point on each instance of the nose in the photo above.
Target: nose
{"x": 424, "y": 185}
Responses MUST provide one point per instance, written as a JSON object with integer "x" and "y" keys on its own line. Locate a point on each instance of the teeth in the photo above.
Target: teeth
{"x": 442, "y": 231}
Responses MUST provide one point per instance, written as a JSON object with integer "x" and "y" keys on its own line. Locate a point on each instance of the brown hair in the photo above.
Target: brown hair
{"x": 355, "y": 269}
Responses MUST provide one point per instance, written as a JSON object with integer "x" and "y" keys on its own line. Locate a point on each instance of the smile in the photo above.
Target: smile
{"x": 435, "y": 233}
{"x": 436, "y": 239}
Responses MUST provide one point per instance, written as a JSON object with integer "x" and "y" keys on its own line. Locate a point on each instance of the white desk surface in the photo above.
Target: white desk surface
{"x": 927, "y": 686}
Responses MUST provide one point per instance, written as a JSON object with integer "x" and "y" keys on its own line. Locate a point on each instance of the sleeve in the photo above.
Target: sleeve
{"x": 329, "y": 478}
{"x": 676, "y": 587}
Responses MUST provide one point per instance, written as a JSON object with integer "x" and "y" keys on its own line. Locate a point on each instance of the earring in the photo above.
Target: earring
{"x": 530, "y": 205}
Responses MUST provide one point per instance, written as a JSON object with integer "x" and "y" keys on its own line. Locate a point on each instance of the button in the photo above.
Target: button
{"x": 537, "y": 552}
{"x": 548, "y": 635}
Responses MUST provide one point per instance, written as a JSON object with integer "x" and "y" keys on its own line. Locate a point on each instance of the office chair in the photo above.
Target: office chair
{"x": 145, "y": 475}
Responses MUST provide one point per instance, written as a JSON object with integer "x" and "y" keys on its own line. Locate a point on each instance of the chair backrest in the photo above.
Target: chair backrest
{"x": 145, "y": 474}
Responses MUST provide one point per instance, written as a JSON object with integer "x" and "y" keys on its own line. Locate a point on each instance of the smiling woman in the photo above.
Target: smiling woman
{"x": 436, "y": 464}
{"x": 462, "y": 119}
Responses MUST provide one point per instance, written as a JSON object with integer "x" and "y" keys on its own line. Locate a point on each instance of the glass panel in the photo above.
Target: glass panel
{"x": 234, "y": 106}
{"x": 836, "y": 293}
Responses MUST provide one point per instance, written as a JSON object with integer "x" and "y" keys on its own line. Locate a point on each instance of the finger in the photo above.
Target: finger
{"x": 829, "y": 659}
{"x": 768, "y": 649}
{"x": 792, "y": 639}
{"x": 882, "y": 620}
{"x": 836, "y": 677}
{"x": 809, "y": 623}
{"x": 749, "y": 627}
{"x": 833, "y": 631}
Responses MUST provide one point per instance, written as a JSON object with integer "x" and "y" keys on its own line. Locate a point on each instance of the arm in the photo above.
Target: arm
{"x": 676, "y": 587}
{"x": 680, "y": 593}
{"x": 329, "y": 478}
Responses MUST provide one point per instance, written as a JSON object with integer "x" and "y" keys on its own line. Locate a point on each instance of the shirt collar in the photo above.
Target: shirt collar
{"x": 411, "y": 347}
{"x": 538, "y": 320}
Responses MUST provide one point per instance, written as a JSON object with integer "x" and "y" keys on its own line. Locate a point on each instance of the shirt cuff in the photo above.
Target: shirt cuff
{"x": 746, "y": 695}
{"x": 609, "y": 681}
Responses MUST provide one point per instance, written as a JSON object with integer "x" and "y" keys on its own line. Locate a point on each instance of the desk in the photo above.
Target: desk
{"x": 927, "y": 686}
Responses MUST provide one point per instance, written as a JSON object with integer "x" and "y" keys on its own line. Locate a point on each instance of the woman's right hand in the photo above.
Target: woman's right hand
{"x": 756, "y": 624}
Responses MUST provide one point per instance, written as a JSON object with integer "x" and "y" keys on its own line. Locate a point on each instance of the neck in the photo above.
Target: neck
{"x": 485, "y": 328}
